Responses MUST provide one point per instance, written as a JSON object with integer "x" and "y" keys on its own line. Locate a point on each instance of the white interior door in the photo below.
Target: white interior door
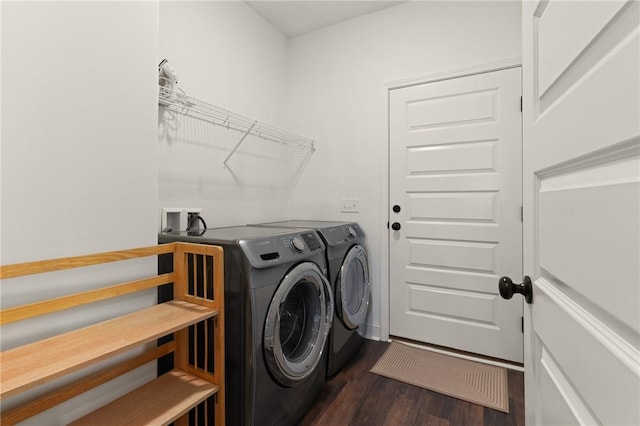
{"x": 582, "y": 211}
{"x": 456, "y": 196}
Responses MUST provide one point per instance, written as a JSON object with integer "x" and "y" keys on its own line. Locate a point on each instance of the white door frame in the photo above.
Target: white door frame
{"x": 384, "y": 242}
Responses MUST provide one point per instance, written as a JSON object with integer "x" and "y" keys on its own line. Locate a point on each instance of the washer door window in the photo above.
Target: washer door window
{"x": 297, "y": 324}
{"x": 352, "y": 288}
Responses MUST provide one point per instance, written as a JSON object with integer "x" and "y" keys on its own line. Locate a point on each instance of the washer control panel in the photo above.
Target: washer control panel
{"x": 312, "y": 240}
{"x": 296, "y": 244}
{"x": 263, "y": 247}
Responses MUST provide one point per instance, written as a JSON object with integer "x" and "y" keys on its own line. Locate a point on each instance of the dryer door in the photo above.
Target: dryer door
{"x": 353, "y": 287}
{"x": 297, "y": 324}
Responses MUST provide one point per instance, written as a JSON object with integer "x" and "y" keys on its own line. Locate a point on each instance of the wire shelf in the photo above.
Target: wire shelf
{"x": 180, "y": 103}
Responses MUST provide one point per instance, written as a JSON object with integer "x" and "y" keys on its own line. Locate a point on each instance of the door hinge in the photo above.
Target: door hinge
{"x": 520, "y": 103}
{"x": 522, "y": 323}
{"x": 387, "y": 225}
{"x": 521, "y": 214}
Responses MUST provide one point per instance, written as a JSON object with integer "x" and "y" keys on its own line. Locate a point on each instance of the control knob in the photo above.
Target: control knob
{"x": 350, "y": 232}
{"x": 296, "y": 244}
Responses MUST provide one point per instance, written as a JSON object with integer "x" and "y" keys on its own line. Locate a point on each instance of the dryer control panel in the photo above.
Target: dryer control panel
{"x": 343, "y": 234}
{"x": 292, "y": 247}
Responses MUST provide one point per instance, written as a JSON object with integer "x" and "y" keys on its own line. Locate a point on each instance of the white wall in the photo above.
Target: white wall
{"x": 337, "y": 92}
{"x": 228, "y": 56}
{"x": 79, "y": 167}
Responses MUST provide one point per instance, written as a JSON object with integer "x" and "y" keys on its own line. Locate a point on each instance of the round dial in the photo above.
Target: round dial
{"x": 297, "y": 244}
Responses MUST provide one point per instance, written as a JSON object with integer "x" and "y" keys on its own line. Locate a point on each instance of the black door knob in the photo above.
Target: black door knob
{"x": 396, "y": 226}
{"x": 507, "y": 288}
{"x": 396, "y": 209}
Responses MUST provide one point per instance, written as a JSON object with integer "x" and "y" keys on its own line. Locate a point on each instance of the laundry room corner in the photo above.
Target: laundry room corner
{"x": 329, "y": 85}
{"x": 338, "y": 91}
{"x": 225, "y": 55}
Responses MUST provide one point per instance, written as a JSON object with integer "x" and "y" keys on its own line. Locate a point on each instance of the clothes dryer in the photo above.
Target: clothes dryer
{"x": 278, "y": 313}
{"x": 348, "y": 272}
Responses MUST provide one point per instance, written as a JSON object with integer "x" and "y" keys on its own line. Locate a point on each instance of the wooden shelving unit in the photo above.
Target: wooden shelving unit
{"x": 198, "y": 304}
{"x": 153, "y": 404}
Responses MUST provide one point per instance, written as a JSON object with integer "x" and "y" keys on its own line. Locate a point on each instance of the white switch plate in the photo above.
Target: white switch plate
{"x": 349, "y": 205}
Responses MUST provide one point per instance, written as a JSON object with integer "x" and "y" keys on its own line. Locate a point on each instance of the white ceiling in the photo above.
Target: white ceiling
{"x": 293, "y": 18}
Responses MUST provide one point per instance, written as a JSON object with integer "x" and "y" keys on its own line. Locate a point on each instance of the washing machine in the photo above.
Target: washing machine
{"x": 348, "y": 272}
{"x": 278, "y": 313}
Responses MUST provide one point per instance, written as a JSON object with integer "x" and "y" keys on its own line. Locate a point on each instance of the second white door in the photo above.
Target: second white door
{"x": 455, "y": 212}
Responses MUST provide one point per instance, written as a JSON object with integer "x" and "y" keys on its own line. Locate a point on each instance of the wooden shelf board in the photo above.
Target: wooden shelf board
{"x": 30, "y": 365}
{"x": 159, "y": 402}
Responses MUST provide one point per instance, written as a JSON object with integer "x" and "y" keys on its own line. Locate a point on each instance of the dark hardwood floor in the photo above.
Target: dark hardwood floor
{"x": 355, "y": 396}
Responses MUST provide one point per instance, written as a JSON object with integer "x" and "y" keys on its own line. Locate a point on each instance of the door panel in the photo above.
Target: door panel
{"x": 582, "y": 211}
{"x": 472, "y": 206}
{"x": 559, "y": 389}
{"x": 453, "y": 254}
{"x": 587, "y": 272}
{"x": 451, "y": 109}
{"x": 455, "y": 169}
{"x": 482, "y": 181}
{"x": 557, "y": 53}
{"x": 609, "y": 388}
{"x": 468, "y": 305}
{"x": 480, "y": 156}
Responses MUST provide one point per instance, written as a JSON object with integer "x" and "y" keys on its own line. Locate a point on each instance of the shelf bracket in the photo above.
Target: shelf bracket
{"x": 239, "y": 143}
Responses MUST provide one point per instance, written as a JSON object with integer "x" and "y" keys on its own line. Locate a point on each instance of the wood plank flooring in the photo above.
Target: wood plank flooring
{"x": 355, "y": 396}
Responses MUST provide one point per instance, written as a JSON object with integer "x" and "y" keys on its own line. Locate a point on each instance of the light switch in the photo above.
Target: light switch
{"x": 349, "y": 205}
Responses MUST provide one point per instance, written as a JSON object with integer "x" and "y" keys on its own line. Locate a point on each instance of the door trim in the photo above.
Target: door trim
{"x": 385, "y": 269}
{"x": 456, "y": 73}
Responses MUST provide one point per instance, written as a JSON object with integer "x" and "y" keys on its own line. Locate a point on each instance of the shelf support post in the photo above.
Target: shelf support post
{"x": 239, "y": 143}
